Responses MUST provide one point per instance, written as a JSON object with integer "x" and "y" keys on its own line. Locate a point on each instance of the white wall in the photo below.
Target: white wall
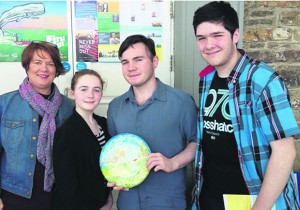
{"x": 12, "y": 73}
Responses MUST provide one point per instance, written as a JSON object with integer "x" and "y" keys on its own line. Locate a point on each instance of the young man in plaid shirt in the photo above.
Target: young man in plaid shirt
{"x": 245, "y": 124}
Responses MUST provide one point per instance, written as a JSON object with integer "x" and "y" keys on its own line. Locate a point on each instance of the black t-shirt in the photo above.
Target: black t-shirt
{"x": 221, "y": 168}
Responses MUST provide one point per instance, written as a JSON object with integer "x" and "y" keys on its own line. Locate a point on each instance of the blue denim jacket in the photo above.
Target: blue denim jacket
{"x": 18, "y": 141}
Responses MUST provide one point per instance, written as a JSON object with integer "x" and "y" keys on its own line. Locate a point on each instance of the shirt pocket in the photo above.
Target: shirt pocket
{"x": 247, "y": 117}
{"x": 12, "y": 131}
{"x": 11, "y": 134}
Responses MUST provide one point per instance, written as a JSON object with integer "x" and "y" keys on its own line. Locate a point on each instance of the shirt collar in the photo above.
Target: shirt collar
{"x": 238, "y": 68}
{"x": 159, "y": 93}
{"x": 235, "y": 73}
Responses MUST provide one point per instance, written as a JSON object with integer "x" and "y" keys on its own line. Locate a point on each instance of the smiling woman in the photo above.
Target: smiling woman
{"x": 41, "y": 72}
{"x": 29, "y": 117}
{"x": 42, "y": 63}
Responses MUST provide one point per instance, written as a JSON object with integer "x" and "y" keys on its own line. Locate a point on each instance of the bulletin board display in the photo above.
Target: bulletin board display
{"x": 97, "y": 27}
{"x": 88, "y": 34}
{"x": 100, "y": 27}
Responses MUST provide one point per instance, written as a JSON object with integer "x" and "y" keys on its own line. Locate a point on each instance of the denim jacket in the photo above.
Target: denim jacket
{"x": 18, "y": 141}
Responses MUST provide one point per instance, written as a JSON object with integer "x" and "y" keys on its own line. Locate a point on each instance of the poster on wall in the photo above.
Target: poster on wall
{"x": 101, "y": 26}
{"x": 109, "y": 30}
{"x": 86, "y": 33}
{"x": 119, "y": 19}
{"x": 143, "y": 17}
{"x": 22, "y": 22}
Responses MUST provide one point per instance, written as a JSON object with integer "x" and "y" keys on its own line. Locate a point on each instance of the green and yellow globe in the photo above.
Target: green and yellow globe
{"x": 123, "y": 160}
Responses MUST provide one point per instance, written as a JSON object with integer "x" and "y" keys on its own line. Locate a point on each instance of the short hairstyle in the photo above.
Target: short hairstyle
{"x": 219, "y": 12}
{"x": 83, "y": 72}
{"x": 48, "y": 47}
{"x": 138, "y": 38}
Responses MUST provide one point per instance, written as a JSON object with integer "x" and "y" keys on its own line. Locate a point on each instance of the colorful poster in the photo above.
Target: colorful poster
{"x": 24, "y": 21}
{"x": 119, "y": 19}
{"x": 109, "y": 30}
{"x": 87, "y": 46}
{"x": 86, "y": 31}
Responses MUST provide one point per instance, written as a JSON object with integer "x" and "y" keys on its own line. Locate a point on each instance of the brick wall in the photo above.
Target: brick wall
{"x": 272, "y": 34}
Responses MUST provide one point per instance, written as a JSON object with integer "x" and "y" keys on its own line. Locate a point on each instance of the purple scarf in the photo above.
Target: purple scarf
{"x": 47, "y": 110}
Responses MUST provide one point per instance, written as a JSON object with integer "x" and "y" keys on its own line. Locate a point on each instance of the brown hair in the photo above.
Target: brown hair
{"x": 48, "y": 47}
{"x": 83, "y": 72}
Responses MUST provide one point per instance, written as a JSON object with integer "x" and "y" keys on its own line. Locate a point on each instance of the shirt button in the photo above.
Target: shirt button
{"x": 27, "y": 193}
{"x": 234, "y": 81}
{"x": 33, "y": 138}
{"x": 32, "y": 156}
{"x": 34, "y": 120}
{"x": 13, "y": 124}
{"x": 29, "y": 174}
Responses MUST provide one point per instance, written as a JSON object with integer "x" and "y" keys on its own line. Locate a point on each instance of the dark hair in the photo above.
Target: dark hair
{"x": 138, "y": 38}
{"x": 83, "y": 72}
{"x": 219, "y": 12}
{"x": 48, "y": 47}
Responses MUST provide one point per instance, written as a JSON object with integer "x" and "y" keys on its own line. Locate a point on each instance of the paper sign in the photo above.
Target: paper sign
{"x": 240, "y": 202}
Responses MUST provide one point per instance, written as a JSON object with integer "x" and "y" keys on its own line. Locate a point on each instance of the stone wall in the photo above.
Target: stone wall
{"x": 272, "y": 34}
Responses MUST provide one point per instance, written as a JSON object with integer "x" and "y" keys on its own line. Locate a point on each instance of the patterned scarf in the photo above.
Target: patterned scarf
{"x": 47, "y": 110}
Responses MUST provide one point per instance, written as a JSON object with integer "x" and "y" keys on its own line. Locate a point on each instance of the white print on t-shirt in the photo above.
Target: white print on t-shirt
{"x": 212, "y": 134}
{"x": 214, "y": 125}
{"x": 223, "y": 102}
{"x": 211, "y": 109}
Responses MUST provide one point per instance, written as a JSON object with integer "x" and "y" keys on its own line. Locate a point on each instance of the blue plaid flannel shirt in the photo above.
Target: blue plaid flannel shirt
{"x": 260, "y": 112}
